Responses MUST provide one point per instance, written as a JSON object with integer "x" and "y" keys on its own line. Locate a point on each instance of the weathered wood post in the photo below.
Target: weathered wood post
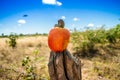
{"x": 62, "y": 65}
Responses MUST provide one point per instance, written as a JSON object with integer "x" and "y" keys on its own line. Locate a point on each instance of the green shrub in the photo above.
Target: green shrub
{"x": 85, "y": 42}
{"x": 96, "y": 36}
{"x": 26, "y": 63}
{"x": 12, "y": 40}
{"x": 113, "y": 35}
{"x": 76, "y": 40}
{"x": 30, "y": 67}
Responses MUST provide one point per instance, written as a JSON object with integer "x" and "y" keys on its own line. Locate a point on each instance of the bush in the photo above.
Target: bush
{"x": 12, "y": 40}
{"x": 29, "y": 64}
{"x": 113, "y": 35}
{"x": 26, "y": 63}
{"x": 85, "y": 42}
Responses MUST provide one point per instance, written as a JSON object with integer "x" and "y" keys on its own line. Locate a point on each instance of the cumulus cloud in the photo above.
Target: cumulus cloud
{"x": 52, "y": 2}
{"x": 63, "y": 17}
{"x": 90, "y": 25}
{"x": 21, "y": 22}
{"x": 75, "y": 19}
{"x": 58, "y": 3}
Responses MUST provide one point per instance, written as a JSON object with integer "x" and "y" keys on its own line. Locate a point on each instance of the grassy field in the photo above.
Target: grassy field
{"x": 11, "y": 59}
{"x": 103, "y": 66}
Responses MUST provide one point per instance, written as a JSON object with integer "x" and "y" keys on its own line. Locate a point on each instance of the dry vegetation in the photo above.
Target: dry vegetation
{"x": 95, "y": 68}
{"x": 11, "y": 59}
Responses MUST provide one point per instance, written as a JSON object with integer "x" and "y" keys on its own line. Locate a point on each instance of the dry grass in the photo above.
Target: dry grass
{"x": 12, "y": 58}
{"x": 92, "y": 68}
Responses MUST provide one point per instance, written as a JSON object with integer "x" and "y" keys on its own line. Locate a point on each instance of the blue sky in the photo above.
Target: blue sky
{"x": 43, "y": 14}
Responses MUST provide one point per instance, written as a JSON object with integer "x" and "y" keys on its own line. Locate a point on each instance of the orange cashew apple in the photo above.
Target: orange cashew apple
{"x": 58, "y": 38}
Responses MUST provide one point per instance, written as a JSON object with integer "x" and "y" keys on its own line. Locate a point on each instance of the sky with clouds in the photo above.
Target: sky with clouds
{"x": 39, "y": 16}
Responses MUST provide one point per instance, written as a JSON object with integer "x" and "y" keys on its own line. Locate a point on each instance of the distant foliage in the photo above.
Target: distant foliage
{"x": 96, "y": 36}
{"x": 113, "y": 35}
{"x": 86, "y": 41}
{"x": 3, "y": 35}
{"x": 77, "y": 39}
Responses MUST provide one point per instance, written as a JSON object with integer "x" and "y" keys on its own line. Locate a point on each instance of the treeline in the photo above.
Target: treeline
{"x": 22, "y": 35}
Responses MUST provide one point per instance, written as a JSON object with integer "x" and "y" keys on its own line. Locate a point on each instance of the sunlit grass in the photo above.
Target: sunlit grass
{"x": 103, "y": 65}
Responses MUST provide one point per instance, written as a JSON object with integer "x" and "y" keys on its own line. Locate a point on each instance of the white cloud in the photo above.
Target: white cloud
{"x": 90, "y": 25}
{"x": 58, "y": 3}
{"x": 21, "y": 21}
{"x": 63, "y": 17}
{"x": 52, "y": 2}
{"x": 49, "y": 1}
{"x": 75, "y": 19}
